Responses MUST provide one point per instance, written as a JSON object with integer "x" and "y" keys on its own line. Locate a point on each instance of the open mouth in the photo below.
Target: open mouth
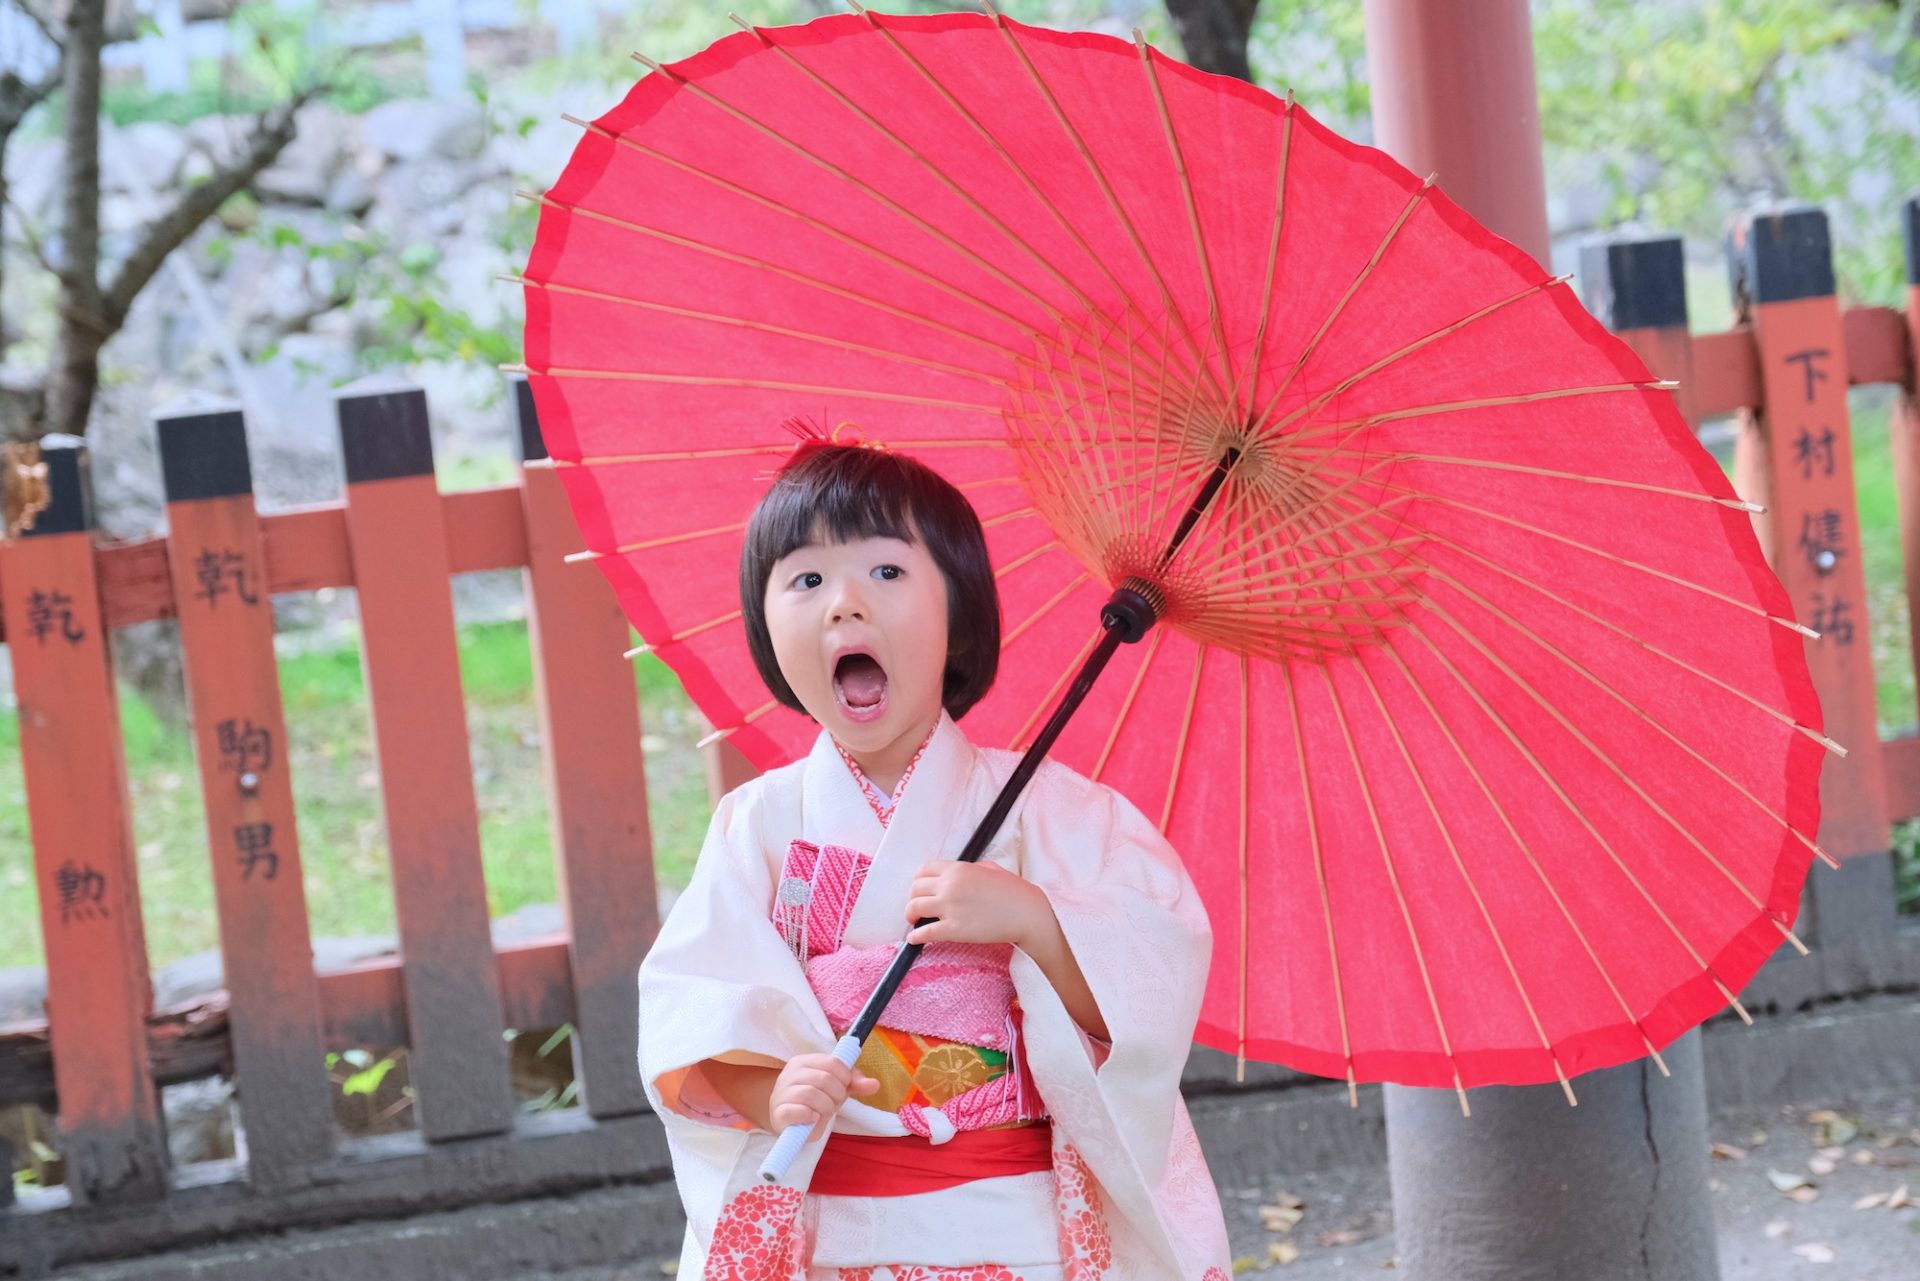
{"x": 860, "y": 685}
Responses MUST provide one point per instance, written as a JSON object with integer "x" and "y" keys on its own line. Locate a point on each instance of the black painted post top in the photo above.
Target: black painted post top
{"x": 1910, "y": 237}
{"x": 526, "y": 419}
{"x": 1635, "y": 280}
{"x": 383, "y": 430}
{"x": 203, "y": 449}
{"x": 69, "y": 508}
{"x": 1780, "y": 253}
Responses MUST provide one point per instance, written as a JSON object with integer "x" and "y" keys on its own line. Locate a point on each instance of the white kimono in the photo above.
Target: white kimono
{"x": 1129, "y": 1195}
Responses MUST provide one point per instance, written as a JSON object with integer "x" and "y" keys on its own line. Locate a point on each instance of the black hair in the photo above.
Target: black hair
{"x": 849, "y": 492}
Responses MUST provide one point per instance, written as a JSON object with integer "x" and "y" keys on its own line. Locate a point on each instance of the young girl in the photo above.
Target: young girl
{"x": 1017, "y": 1115}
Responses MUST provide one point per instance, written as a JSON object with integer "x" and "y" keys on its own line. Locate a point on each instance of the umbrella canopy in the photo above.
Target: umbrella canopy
{"x": 1477, "y": 715}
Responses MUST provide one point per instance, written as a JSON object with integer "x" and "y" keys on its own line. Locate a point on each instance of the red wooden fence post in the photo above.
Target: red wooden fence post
{"x": 217, "y": 564}
{"x": 596, "y": 780}
{"x": 98, "y": 990}
{"x": 1795, "y": 454}
{"x": 1636, "y": 285}
{"x": 397, "y": 534}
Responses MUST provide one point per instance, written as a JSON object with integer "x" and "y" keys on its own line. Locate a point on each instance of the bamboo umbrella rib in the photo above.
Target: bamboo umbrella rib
{"x": 1017, "y": 170}
{"x": 1736, "y": 602}
{"x": 1017, "y": 513}
{"x": 1447, "y": 330}
{"x": 804, "y": 278}
{"x": 1353, "y": 288}
{"x": 886, "y": 202}
{"x": 676, "y": 456}
{"x": 1526, "y": 851}
{"x": 1320, "y": 878}
{"x": 1180, "y": 744}
{"x": 1644, "y": 715}
{"x": 1193, "y": 210}
{"x": 771, "y": 450}
{"x": 1580, "y": 817}
{"x": 1126, "y": 704}
{"x": 1393, "y": 879}
{"x": 969, "y": 486}
{"x": 1493, "y": 402}
{"x": 1601, "y": 755}
{"x": 1041, "y": 612}
{"x": 1665, "y": 491}
{"x": 1087, "y": 449}
{"x": 783, "y": 331}
{"x": 752, "y": 716}
{"x": 918, "y": 157}
{"x": 1018, "y": 742}
{"x": 667, "y": 540}
{"x": 1251, "y": 375}
{"x": 1167, "y": 304}
{"x": 1246, "y": 719}
{"x": 1459, "y": 863}
{"x": 1026, "y": 557}
{"x": 758, "y": 384}
{"x": 1331, "y": 429}
{"x": 1757, "y": 703}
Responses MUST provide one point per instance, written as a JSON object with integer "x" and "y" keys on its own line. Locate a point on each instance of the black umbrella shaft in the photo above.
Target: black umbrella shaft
{"x": 997, "y": 814}
{"x": 1126, "y": 617}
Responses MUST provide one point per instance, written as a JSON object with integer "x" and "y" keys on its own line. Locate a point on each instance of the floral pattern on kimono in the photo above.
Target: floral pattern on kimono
{"x": 759, "y": 1237}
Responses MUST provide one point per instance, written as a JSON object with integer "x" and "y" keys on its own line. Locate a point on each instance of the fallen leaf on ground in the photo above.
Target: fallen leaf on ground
{"x": 1841, "y": 1130}
{"x": 1815, "y": 1252}
{"x": 1863, "y": 1156}
{"x": 1755, "y": 1139}
{"x": 1284, "y": 1214}
{"x": 1804, "y": 1196}
{"x": 1785, "y": 1181}
{"x": 1833, "y": 1152}
{"x": 1820, "y": 1165}
{"x": 1872, "y": 1200}
{"x": 1344, "y": 1236}
{"x": 1282, "y": 1252}
{"x": 1245, "y": 1263}
{"x": 1728, "y": 1152}
{"x": 1899, "y": 1198}
{"x": 1776, "y": 1229}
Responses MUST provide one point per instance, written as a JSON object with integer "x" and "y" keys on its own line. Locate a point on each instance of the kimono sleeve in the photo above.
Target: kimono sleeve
{"x": 1139, "y": 934}
{"x": 718, "y": 982}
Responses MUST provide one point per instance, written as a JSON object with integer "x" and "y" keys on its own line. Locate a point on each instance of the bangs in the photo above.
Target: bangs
{"x": 864, "y": 494}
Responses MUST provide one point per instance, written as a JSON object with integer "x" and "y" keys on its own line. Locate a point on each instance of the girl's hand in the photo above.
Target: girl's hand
{"x": 810, "y": 1089}
{"x": 977, "y": 903}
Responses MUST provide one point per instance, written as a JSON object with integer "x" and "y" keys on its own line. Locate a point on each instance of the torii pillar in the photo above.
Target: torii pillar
{"x": 1527, "y": 1188}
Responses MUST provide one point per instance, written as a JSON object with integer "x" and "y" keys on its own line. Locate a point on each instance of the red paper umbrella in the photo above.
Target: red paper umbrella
{"x": 1476, "y": 713}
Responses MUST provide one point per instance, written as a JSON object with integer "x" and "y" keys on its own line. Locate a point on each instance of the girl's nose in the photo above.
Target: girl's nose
{"x": 847, "y": 604}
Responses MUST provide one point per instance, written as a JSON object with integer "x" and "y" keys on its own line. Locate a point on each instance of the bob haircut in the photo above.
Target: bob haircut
{"x": 844, "y": 493}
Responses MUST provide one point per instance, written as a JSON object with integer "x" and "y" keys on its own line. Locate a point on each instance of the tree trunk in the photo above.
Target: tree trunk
{"x": 1214, "y": 34}
{"x": 83, "y": 327}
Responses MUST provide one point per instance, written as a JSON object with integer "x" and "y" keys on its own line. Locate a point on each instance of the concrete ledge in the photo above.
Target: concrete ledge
{"x": 622, "y": 1230}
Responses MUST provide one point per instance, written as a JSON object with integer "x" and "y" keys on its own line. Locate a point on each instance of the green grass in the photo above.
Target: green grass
{"x": 337, "y": 798}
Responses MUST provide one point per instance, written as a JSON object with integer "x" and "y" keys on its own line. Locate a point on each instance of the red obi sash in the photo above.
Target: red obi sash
{"x": 883, "y": 1165}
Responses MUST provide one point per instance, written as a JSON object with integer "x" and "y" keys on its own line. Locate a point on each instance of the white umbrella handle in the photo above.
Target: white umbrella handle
{"x": 795, "y": 1137}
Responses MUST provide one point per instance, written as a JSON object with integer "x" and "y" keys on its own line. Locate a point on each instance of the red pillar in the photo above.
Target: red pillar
{"x": 1453, "y": 95}
{"x": 1527, "y": 1187}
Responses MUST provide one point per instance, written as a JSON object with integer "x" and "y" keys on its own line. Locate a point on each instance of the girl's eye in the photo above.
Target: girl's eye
{"x": 888, "y": 572}
{"x": 807, "y": 579}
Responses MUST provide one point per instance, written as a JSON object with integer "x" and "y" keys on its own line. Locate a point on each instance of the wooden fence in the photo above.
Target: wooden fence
{"x": 398, "y": 541}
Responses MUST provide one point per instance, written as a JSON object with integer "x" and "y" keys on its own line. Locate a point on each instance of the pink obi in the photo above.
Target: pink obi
{"x": 955, "y": 1011}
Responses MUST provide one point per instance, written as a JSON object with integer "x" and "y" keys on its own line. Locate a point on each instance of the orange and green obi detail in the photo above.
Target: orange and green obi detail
{"x": 924, "y": 1069}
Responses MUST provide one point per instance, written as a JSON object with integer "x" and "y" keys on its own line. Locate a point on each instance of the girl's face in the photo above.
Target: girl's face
{"x": 860, "y": 631}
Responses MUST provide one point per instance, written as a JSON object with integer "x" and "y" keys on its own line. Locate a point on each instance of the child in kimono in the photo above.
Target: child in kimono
{"x": 1017, "y": 1114}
